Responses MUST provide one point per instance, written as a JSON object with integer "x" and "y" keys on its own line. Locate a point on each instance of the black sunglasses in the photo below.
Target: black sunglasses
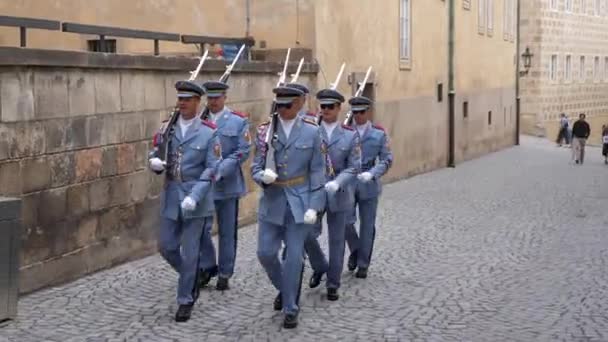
{"x": 284, "y": 105}
{"x": 358, "y": 112}
{"x": 328, "y": 106}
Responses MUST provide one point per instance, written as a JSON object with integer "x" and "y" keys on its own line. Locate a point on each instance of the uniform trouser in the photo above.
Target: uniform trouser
{"x": 287, "y": 276}
{"x": 227, "y": 212}
{"x": 336, "y": 223}
{"x": 207, "y": 261}
{"x": 363, "y": 244}
{"x": 578, "y": 148}
{"x": 184, "y": 233}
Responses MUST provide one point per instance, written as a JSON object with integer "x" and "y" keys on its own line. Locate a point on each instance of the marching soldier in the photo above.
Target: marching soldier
{"x": 300, "y": 102}
{"x": 344, "y": 153}
{"x": 376, "y": 159}
{"x": 291, "y": 198}
{"x": 187, "y": 196}
{"x": 233, "y": 132}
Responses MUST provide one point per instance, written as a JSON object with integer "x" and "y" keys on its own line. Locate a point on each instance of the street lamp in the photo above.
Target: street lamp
{"x": 527, "y": 59}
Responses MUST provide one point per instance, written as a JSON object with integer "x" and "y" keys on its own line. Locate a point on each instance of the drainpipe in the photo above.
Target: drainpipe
{"x": 451, "y": 90}
{"x": 517, "y": 95}
{"x": 248, "y": 17}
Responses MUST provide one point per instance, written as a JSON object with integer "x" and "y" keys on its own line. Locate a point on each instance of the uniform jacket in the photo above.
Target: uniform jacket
{"x": 344, "y": 151}
{"x": 190, "y": 170}
{"x": 233, "y": 133}
{"x": 376, "y": 158}
{"x": 299, "y": 157}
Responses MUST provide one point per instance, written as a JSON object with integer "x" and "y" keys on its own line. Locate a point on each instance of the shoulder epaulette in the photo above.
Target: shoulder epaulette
{"x": 310, "y": 121}
{"x": 348, "y": 127}
{"x": 241, "y": 114}
{"x": 376, "y": 126}
{"x": 209, "y": 124}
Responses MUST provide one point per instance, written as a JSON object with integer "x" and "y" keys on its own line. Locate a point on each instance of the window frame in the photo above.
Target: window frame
{"x": 405, "y": 34}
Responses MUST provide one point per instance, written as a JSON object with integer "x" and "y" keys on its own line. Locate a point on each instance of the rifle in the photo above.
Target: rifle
{"x": 224, "y": 78}
{"x": 167, "y": 129}
{"x": 334, "y": 86}
{"x": 294, "y": 77}
{"x": 270, "y": 163}
{"x": 349, "y": 116}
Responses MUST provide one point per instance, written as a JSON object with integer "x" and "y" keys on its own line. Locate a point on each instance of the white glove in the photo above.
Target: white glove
{"x": 268, "y": 176}
{"x": 188, "y": 203}
{"x": 156, "y": 164}
{"x": 310, "y": 216}
{"x": 332, "y": 186}
{"x": 365, "y": 177}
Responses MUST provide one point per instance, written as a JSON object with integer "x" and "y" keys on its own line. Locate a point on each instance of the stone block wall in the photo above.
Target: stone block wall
{"x": 75, "y": 130}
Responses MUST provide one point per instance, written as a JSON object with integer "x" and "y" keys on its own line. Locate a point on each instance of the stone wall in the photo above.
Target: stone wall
{"x": 75, "y": 130}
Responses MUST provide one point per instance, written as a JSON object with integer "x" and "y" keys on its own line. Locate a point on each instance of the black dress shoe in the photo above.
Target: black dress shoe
{"x": 361, "y": 273}
{"x": 291, "y": 321}
{"x": 332, "y": 294}
{"x": 203, "y": 279}
{"x": 222, "y": 284}
{"x": 315, "y": 280}
{"x": 352, "y": 261}
{"x": 278, "y": 303}
{"x": 183, "y": 313}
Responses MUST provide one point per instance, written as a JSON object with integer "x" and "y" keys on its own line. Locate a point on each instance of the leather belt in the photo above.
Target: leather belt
{"x": 291, "y": 181}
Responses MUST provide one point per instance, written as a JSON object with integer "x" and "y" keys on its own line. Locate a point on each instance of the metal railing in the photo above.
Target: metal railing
{"x": 108, "y": 31}
{"x": 24, "y": 23}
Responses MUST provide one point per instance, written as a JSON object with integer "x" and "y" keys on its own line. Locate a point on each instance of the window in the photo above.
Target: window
{"x": 568, "y": 68}
{"x": 489, "y": 117}
{"x": 439, "y": 92}
{"x": 465, "y": 109}
{"x": 513, "y": 19}
{"x": 596, "y": 69}
{"x": 553, "y": 4}
{"x": 598, "y": 7}
{"x": 506, "y": 20}
{"x": 109, "y": 45}
{"x": 553, "y": 68}
{"x": 490, "y": 17}
{"x": 568, "y": 5}
{"x": 582, "y": 75}
{"x": 584, "y": 6}
{"x": 404, "y": 24}
{"x": 481, "y": 16}
{"x": 606, "y": 68}
{"x": 466, "y": 4}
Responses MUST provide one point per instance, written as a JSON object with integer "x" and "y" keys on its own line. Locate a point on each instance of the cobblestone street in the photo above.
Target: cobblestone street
{"x": 509, "y": 247}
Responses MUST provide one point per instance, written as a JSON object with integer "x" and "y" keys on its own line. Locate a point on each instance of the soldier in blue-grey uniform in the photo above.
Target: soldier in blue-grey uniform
{"x": 187, "y": 196}
{"x": 344, "y": 165}
{"x": 300, "y": 102}
{"x": 376, "y": 159}
{"x": 292, "y": 196}
{"x": 233, "y": 132}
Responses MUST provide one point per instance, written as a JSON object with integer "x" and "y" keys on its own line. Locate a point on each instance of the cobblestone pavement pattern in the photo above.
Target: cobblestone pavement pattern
{"x": 511, "y": 246}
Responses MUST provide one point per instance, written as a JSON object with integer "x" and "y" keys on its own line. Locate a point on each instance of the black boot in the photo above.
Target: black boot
{"x": 332, "y": 294}
{"x": 204, "y": 278}
{"x": 291, "y": 321}
{"x": 278, "y": 303}
{"x": 183, "y": 313}
{"x": 222, "y": 284}
{"x": 315, "y": 280}
{"x": 352, "y": 261}
{"x": 361, "y": 273}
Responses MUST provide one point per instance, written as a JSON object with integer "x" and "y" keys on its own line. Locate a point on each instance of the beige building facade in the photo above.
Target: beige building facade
{"x": 406, "y": 42}
{"x": 569, "y": 69}
{"x": 227, "y": 18}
